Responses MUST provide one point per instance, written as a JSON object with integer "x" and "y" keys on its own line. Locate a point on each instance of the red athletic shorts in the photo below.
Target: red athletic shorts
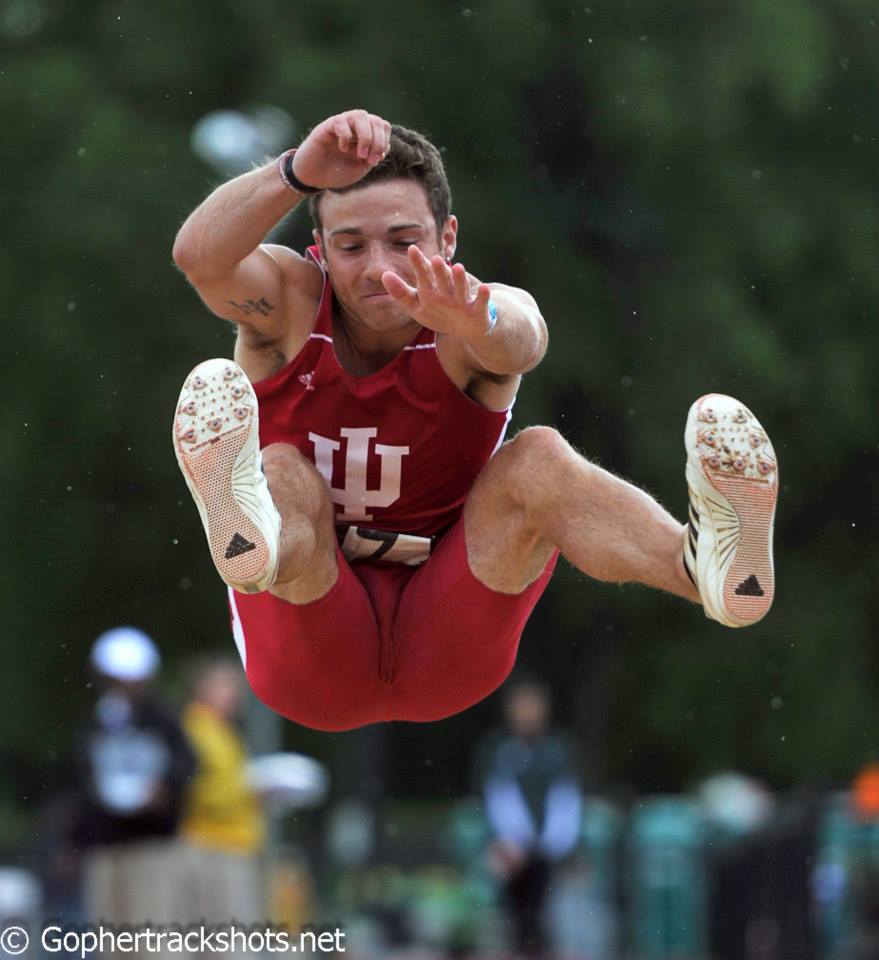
{"x": 388, "y": 642}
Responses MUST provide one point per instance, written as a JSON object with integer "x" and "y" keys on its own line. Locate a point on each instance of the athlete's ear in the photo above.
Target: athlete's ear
{"x": 449, "y": 238}
{"x": 318, "y": 240}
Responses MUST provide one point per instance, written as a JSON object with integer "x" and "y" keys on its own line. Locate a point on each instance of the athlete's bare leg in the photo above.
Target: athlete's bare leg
{"x": 307, "y": 566}
{"x": 537, "y": 493}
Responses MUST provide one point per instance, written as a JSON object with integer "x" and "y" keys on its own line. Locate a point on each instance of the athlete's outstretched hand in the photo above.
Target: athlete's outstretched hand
{"x": 342, "y": 149}
{"x": 446, "y": 298}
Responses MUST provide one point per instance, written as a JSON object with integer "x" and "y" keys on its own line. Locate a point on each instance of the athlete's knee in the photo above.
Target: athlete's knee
{"x": 534, "y": 456}
{"x": 290, "y": 475}
{"x": 541, "y": 443}
{"x": 278, "y": 459}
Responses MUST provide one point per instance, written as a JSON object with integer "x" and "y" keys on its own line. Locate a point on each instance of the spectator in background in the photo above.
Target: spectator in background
{"x": 58, "y": 861}
{"x": 223, "y": 826}
{"x": 133, "y": 762}
{"x": 865, "y": 793}
{"x": 533, "y": 804}
{"x": 862, "y": 943}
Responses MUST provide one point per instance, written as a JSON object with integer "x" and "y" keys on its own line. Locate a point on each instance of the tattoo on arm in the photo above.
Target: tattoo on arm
{"x": 261, "y": 306}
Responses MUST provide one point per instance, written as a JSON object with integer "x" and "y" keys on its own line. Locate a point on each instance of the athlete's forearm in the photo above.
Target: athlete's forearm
{"x": 517, "y": 341}
{"x": 232, "y": 222}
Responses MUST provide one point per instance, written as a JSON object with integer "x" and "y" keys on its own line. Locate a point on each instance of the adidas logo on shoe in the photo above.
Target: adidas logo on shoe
{"x": 237, "y": 546}
{"x": 750, "y": 588}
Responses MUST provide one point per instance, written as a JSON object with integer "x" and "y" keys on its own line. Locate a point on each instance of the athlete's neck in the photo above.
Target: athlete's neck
{"x": 362, "y": 350}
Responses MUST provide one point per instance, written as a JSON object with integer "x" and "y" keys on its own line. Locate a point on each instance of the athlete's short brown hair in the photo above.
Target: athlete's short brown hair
{"x": 411, "y": 156}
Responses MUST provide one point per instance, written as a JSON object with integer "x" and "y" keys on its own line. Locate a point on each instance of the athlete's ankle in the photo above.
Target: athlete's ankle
{"x": 687, "y": 585}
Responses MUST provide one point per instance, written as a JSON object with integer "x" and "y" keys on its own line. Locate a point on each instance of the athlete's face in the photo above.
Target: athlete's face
{"x": 368, "y": 231}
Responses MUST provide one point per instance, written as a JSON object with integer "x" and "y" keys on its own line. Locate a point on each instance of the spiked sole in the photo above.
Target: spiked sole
{"x": 216, "y": 440}
{"x": 732, "y": 476}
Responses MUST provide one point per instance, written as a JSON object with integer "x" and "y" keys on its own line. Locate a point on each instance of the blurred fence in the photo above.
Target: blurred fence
{"x": 660, "y": 880}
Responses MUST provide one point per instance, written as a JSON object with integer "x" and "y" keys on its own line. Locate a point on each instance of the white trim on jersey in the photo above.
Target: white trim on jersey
{"x": 320, "y": 336}
{"x": 421, "y": 346}
{"x": 500, "y": 439}
{"x": 237, "y": 629}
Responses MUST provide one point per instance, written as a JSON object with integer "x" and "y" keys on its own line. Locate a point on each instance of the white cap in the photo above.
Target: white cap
{"x": 125, "y": 653}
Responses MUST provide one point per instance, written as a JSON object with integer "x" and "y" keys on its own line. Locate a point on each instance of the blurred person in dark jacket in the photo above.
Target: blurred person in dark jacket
{"x": 533, "y": 804}
{"x": 223, "y": 826}
{"x": 863, "y": 942}
{"x": 133, "y": 762}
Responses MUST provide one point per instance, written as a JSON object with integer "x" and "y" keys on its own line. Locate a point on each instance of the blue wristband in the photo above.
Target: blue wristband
{"x": 492, "y": 317}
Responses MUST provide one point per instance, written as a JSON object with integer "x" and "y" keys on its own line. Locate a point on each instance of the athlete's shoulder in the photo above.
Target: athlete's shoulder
{"x": 302, "y": 275}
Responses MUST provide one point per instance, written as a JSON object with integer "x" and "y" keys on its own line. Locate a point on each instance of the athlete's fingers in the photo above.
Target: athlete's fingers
{"x": 416, "y": 257}
{"x": 344, "y": 133}
{"x": 442, "y": 275}
{"x": 483, "y": 295}
{"x": 363, "y": 132}
{"x": 386, "y": 136}
{"x": 400, "y": 290}
{"x": 325, "y": 133}
{"x": 379, "y": 140}
{"x": 421, "y": 266}
{"x": 462, "y": 284}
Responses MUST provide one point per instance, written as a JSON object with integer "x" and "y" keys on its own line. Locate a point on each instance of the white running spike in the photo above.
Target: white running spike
{"x": 733, "y": 486}
{"x": 222, "y": 465}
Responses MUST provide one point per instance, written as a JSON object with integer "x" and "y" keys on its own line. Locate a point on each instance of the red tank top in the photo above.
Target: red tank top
{"x": 399, "y": 448}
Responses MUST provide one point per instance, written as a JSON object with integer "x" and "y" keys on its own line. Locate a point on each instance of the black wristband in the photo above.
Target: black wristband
{"x": 285, "y": 169}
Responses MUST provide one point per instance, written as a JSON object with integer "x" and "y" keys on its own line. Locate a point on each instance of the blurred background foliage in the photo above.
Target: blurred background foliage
{"x": 690, "y": 191}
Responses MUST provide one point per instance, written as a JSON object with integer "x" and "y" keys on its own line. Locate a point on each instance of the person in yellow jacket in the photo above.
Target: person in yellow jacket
{"x": 223, "y": 828}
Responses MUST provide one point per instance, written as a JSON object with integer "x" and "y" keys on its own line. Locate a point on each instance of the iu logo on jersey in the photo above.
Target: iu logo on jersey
{"x": 354, "y": 497}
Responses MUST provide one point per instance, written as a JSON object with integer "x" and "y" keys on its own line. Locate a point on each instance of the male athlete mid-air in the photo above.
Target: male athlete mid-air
{"x": 383, "y": 544}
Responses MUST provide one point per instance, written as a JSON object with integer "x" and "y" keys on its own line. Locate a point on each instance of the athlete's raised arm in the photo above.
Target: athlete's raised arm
{"x": 220, "y": 248}
{"x": 499, "y": 327}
